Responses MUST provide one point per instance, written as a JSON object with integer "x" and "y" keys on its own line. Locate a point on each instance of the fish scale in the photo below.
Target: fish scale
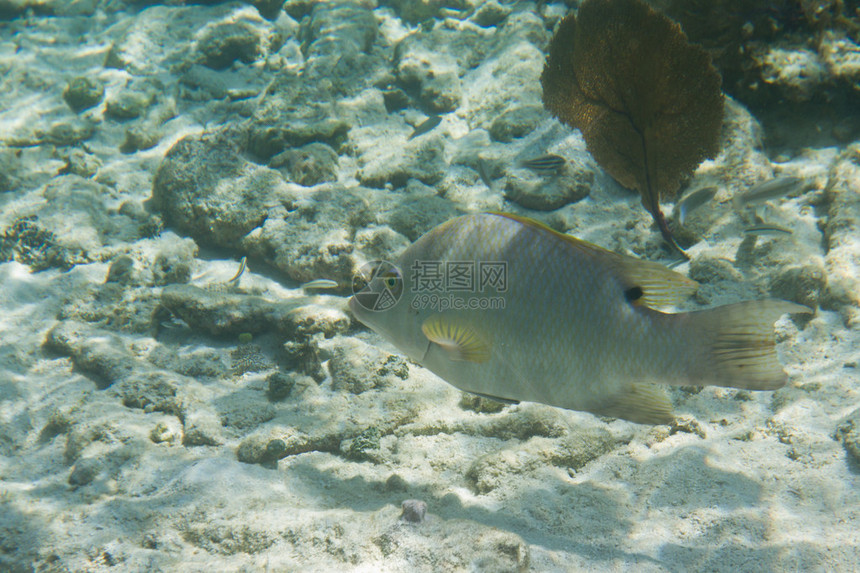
{"x": 577, "y": 328}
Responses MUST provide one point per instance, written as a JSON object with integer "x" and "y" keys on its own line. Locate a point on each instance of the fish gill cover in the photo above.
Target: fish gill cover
{"x": 647, "y": 101}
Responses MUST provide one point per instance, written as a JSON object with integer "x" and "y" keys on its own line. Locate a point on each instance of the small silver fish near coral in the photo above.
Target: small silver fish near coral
{"x": 319, "y": 284}
{"x": 693, "y": 200}
{"x": 427, "y": 125}
{"x": 771, "y": 189}
{"x": 545, "y": 164}
{"x": 766, "y": 229}
{"x": 525, "y": 313}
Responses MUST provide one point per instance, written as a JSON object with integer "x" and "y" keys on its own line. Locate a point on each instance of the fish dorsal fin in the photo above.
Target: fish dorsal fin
{"x": 642, "y": 402}
{"x": 657, "y": 285}
{"x": 458, "y": 339}
{"x": 649, "y": 283}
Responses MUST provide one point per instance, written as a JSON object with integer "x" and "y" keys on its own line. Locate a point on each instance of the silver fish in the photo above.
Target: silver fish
{"x": 692, "y": 201}
{"x": 503, "y": 306}
{"x": 767, "y": 229}
{"x": 772, "y": 189}
{"x": 319, "y": 284}
{"x": 427, "y": 125}
{"x": 549, "y": 163}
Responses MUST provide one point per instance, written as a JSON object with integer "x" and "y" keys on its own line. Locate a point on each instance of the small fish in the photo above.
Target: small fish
{"x": 484, "y": 174}
{"x": 242, "y": 265}
{"x": 767, "y": 229}
{"x": 427, "y": 125}
{"x": 549, "y": 163}
{"x": 553, "y": 319}
{"x": 319, "y": 284}
{"x": 692, "y": 201}
{"x": 772, "y": 189}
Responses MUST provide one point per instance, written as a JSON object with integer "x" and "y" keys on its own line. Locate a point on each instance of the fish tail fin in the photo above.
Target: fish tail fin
{"x": 738, "y": 348}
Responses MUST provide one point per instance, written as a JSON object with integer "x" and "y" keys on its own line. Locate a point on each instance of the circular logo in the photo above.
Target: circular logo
{"x": 377, "y": 285}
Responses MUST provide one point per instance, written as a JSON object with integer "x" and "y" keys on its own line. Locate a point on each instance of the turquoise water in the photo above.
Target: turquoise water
{"x": 190, "y": 193}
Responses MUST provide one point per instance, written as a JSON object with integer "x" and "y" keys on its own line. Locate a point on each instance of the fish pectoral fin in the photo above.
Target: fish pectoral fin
{"x": 460, "y": 340}
{"x": 643, "y": 403}
{"x": 654, "y": 284}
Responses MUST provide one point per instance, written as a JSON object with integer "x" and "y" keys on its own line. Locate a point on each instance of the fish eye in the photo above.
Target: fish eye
{"x": 391, "y": 282}
{"x": 633, "y": 294}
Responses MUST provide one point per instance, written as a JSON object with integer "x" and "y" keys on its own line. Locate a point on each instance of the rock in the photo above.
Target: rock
{"x": 491, "y": 13}
{"x": 306, "y": 321}
{"x": 687, "y": 425}
{"x": 296, "y": 111}
{"x": 357, "y": 367}
{"x": 503, "y": 93}
{"x": 121, "y": 270}
{"x": 269, "y": 9}
{"x": 480, "y": 404}
{"x": 172, "y": 264}
{"x": 29, "y": 242}
{"x": 418, "y": 12}
{"x": 707, "y": 270}
{"x": 140, "y": 137}
{"x": 198, "y": 363}
{"x": 98, "y": 353}
{"x": 149, "y": 391}
{"x": 248, "y": 358}
{"x": 228, "y": 42}
{"x": 413, "y": 511}
{"x": 84, "y": 471}
{"x": 382, "y": 163}
{"x": 797, "y": 72}
{"x": 534, "y": 191}
{"x": 311, "y": 235}
{"x": 573, "y": 452}
{"x": 517, "y": 122}
{"x": 307, "y": 165}
{"x": 245, "y": 410}
{"x": 842, "y": 197}
{"x": 205, "y": 188}
{"x": 432, "y": 75}
{"x": 802, "y": 284}
{"x": 127, "y": 104}
{"x": 224, "y": 314}
{"x": 160, "y": 38}
{"x": 280, "y": 386}
{"x": 362, "y": 446}
{"x": 72, "y": 132}
{"x": 417, "y": 211}
{"x": 338, "y": 28}
{"x": 261, "y": 449}
{"x": 168, "y": 431}
{"x": 201, "y": 426}
{"x": 82, "y": 93}
{"x": 848, "y": 432}
{"x": 79, "y": 162}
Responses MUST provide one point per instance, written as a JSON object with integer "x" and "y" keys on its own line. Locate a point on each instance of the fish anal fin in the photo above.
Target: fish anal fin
{"x": 460, "y": 340}
{"x": 641, "y": 402}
